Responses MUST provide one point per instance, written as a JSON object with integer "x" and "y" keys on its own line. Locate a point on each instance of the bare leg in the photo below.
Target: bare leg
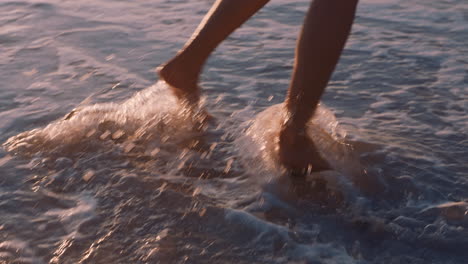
{"x": 324, "y": 34}
{"x": 182, "y": 72}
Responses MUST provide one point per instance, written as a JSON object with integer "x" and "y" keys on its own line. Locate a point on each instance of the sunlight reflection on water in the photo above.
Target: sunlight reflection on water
{"x": 116, "y": 184}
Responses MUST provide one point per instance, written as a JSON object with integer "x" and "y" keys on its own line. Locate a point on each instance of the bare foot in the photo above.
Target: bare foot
{"x": 182, "y": 80}
{"x": 298, "y": 153}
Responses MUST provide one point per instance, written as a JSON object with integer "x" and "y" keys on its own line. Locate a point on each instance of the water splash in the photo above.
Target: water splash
{"x": 260, "y": 142}
{"x": 146, "y": 122}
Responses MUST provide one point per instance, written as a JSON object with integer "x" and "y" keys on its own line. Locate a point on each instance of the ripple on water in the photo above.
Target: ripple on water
{"x": 132, "y": 181}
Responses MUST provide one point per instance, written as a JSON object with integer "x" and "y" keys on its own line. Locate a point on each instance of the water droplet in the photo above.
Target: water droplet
{"x": 88, "y": 175}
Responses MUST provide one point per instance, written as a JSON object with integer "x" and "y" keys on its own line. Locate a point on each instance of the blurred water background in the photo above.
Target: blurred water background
{"x": 127, "y": 179}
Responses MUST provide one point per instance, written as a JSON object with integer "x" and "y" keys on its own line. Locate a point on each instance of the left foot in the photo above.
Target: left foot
{"x": 182, "y": 80}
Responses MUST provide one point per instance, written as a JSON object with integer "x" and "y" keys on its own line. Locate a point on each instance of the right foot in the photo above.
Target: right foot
{"x": 297, "y": 152}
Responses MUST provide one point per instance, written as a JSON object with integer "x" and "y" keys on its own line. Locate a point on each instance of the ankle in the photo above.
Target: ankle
{"x": 293, "y": 126}
{"x": 177, "y": 66}
{"x": 179, "y": 74}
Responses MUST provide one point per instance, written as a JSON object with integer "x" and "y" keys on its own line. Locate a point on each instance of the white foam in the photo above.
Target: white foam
{"x": 73, "y": 217}
{"x": 17, "y": 250}
{"x": 266, "y": 233}
{"x": 258, "y": 227}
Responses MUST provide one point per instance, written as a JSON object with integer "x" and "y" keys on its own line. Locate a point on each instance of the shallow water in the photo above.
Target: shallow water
{"x": 132, "y": 178}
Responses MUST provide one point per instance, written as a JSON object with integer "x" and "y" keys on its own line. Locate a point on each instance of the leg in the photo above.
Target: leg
{"x": 182, "y": 72}
{"x": 324, "y": 34}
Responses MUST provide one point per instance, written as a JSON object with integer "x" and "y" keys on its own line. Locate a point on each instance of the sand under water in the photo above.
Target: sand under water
{"x": 100, "y": 164}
